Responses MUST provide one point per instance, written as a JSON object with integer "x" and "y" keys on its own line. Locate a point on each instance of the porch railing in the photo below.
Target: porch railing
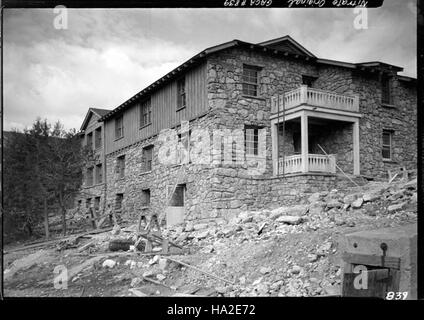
{"x": 316, "y": 163}
{"x": 316, "y": 98}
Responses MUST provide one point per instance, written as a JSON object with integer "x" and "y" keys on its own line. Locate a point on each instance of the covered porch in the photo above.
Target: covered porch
{"x": 312, "y": 135}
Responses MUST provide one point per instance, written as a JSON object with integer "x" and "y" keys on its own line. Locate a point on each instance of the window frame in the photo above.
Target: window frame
{"x": 89, "y": 141}
{"x": 89, "y": 177}
{"x": 389, "y": 146}
{"x": 145, "y": 117}
{"x": 121, "y": 119}
{"x": 99, "y": 173}
{"x": 120, "y": 166}
{"x": 98, "y": 138}
{"x": 386, "y": 90}
{"x": 246, "y": 83}
{"x": 255, "y": 140}
{"x": 181, "y": 94}
{"x": 146, "y": 197}
{"x": 147, "y": 149}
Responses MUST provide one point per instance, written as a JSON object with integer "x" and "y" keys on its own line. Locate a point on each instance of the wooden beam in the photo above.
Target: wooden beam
{"x": 372, "y": 260}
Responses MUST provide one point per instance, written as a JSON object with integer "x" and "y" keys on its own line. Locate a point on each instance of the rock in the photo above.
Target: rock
{"x": 248, "y": 219}
{"x": 349, "y": 198}
{"x": 221, "y": 290}
{"x": 357, "y": 203}
{"x": 160, "y": 277}
{"x": 295, "y": 270}
{"x": 257, "y": 281}
{"x": 290, "y": 219}
{"x": 314, "y": 197}
{"x": 116, "y": 230}
{"x": 135, "y": 282}
{"x": 265, "y": 270}
{"x": 414, "y": 197}
{"x": 411, "y": 185}
{"x": 199, "y": 235}
{"x": 312, "y": 257}
{"x": 242, "y": 280}
{"x": 334, "y": 203}
{"x": 333, "y": 290}
{"x": 238, "y": 229}
{"x": 200, "y": 226}
{"x": 163, "y": 263}
{"x": 350, "y": 224}
{"x": 396, "y": 207}
{"x": 369, "y": 197}
{"x": 148, "y": 273}
{"x": 109, "y": 263}
{"x": 324, "y": 249}
{"x": 154, "y": 260}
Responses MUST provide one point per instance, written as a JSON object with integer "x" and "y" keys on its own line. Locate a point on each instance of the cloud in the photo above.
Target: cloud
{"x": 106, "y": 56}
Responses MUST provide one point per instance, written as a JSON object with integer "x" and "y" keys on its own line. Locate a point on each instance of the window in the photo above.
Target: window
{"x": 119, "y": 127}
{"x": 250, "y": 80}
{"x": 177, "y": 199}
{"x": 98, "y": 138}
{"x": 120, "y": 166}
{"x": 387, "y": 145}
{"x": 118, "y": 201}
{"x": 386, "y": 90}
{"x": 97, "y": 204}
{"x": 183, "y": 150}
{"x": 99, "y": 173}
{"x": 308, "y": 80}
{"x": 90, "y": 140}
{"x": 89, "y": 177}
{"x": 147, "y": 158}
{"x": 181, "y": 99}
{"x": 146, "y": 197}
{"x": 145, "y": 113}
{"x": 251, "y": 140}
{"x": 88, "y": 203}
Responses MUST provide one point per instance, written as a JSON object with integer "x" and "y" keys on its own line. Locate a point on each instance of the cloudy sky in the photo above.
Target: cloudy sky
{"x": 106, "y": 56}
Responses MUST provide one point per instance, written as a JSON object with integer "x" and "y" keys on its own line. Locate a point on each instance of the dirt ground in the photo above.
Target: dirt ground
{"x": 283, "y": 260}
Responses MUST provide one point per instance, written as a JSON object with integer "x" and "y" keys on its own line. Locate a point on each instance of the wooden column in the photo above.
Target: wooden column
{"x": 274, "y": 141}
{"x": 356, "y": 160}
{"x": 304, "y": 135}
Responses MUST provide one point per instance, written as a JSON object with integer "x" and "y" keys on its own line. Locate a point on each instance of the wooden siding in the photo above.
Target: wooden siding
{"x": 164, "y": 114}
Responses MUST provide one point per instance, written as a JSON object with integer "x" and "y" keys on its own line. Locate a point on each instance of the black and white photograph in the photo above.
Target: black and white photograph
{"x": 246, "y": 150}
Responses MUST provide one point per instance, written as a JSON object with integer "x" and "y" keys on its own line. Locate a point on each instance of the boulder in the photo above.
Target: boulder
{"x": 396, "y": 207}
{"x": 199, "y": 235}
{"x": 200, "y": 226}
{"x": 289, "y": 219}
{"x": 357, "y": 203}
{"x": 109, "y": 263}
{"x": 265, "y": 270}
{"x": 369, "y": 197}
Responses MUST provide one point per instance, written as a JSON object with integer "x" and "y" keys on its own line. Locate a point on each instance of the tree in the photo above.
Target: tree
{"x": 43, "y": 163}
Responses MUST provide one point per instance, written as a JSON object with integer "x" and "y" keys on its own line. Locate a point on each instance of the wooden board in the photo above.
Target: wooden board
{"x": 372, "y": 260}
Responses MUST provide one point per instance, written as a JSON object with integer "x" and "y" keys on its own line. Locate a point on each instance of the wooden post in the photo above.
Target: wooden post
{"x": 46, "y": 220}
{"x": 274, "y": 138}
{"x": 356, "y": 160}
{"x": 304, "y": 137}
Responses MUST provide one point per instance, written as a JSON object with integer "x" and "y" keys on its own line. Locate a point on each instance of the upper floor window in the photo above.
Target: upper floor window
{"x": 148, "y": 158}
{"x": 145, "y": 113}
{"x": 119, "y": 127}
{"x": 250, "y": 80}
{"x": 386, "y": 94}
{"x": 251, "y": 140}
{"x": 99, "y": 173}
{"x": 98, "y": 137}
{"x": 89, "y": 176}
{"x": 387, "y": 145}
{"x": 181, "y": 99}
{"x": 90, "y": 140}
{"x": 183, "y": 150}
{"x": 120, "y": 166}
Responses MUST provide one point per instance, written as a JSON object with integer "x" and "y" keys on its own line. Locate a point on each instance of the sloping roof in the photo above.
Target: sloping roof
{"x": 287, "y": 43}
{"x": 284, "y": 46}
{"x": 99, "y": 112}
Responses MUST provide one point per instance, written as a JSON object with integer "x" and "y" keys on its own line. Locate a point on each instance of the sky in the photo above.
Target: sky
{"x": 106, "y": 56}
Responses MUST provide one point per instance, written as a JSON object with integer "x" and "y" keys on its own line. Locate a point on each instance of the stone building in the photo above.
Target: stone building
{"x": 244, "y": 126}
{"x": 93, "y": 189}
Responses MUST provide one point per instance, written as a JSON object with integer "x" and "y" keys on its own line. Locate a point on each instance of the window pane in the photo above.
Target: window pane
{"x": 386, "y": 138}
{"x": 386, "y": 153}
